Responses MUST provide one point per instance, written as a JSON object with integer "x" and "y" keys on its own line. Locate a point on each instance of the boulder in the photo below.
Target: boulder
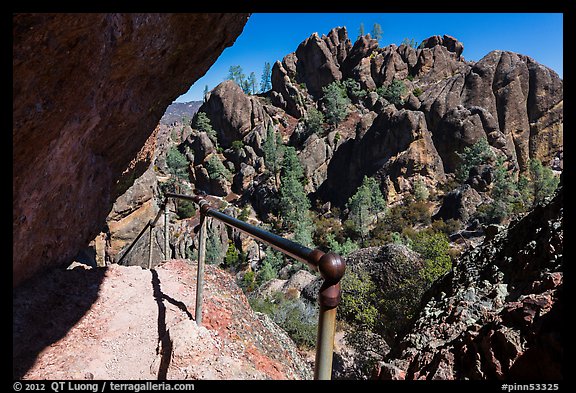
{"x": 232, "y": 113}
{"x": 459, "y": 204}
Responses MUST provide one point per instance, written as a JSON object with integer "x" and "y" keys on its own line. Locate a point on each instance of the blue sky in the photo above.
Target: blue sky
{"x": 269, "y": 37}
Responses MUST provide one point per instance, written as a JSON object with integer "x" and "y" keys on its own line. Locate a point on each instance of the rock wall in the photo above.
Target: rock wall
{"x": 88, "y": 90}
{"x": 448, "y": 105}
{"x": 498, "y": 313}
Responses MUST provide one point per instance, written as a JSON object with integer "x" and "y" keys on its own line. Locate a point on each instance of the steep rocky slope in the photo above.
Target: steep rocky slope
{"x": 498, "y": 314}
{"x": 88, "y": 90}
{"x": 138, "y": 324}
{"x": 448, "y": 104}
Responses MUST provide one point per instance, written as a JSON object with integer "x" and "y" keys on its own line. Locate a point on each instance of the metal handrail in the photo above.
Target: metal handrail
{"x": 330, "y": 266}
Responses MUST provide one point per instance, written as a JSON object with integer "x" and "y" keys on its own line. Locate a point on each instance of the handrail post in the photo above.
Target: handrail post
{"x": 166, "y": 221}
{"x": 201, "y": 260}
{"x": 150, "y": 246}
{"x": 332, "y": 268}
{"x": 325, "y": 343}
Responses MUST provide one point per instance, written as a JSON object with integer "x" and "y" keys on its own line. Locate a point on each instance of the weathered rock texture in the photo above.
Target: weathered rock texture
{"x": 129, "y": 323}
{"x": 448, "y": 105}
{"x": 498, "y": 314}
{"x": 88, "y": 90}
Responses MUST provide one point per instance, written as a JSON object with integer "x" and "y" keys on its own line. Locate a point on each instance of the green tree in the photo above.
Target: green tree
{"x": 202, "y": 123}
{"x": 376, "y": 32}
{"x": 214, "y": 249}
{"x": 361, "y": 30}
{"x": 539, "y": 184}
{"x": 477, "y": 154}
{"x": 364, "y": 205}
{"x": 176, "y": 163}
{"x": 236, "y": 74}
{"x": 266, "y": 273}
{"x": 232, "y": 258}
{"x": 313, "y": 121}
{"x": 266, "y": 80}
{"x": 252, "y": 82}
{"x": 217, "y": 170}
{"x": 409, "y": 42}
{"x": 294, "y": 204}
{"x": 336, "y": 102}
{"x": 205, "y": 92}
{"x": 273, "y": 152}
{"x": 343, "y": 249}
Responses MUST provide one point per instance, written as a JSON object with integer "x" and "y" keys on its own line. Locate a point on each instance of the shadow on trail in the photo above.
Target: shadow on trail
{"x": 163, "y": 333}
{"x": 46, "y": 307}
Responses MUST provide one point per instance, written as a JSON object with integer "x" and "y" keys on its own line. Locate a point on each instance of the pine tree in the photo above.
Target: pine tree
{"x": 364, "y": 205}
{"x": 361, "y": 30}
{"x": 477, "y": 154}
{"x": 294, "y": 204}
{"x": 336, "y": 103}
{"x": 202, "y": 123}
{"x": 273, "y": 149}
{"x": 252, "y": 82}
{"x": 205, "y": 92}
{"x": 266, "y": 81}
{"x": 236, "y": 74}
{"x": 376, "y": 32}
{"x": 314, "y": 121}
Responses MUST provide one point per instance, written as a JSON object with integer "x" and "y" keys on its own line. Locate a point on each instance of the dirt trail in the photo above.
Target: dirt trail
{"x": 138, "y": 324}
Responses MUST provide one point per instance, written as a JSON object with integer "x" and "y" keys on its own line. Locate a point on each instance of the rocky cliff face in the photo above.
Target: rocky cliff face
{"x": 138, "y": 324}
{"x": 88, "y": 90}
{"x": 498, "y": 313}
{"x": 448, "y": 105}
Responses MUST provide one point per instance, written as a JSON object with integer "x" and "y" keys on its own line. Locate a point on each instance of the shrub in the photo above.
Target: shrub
{"x": 417, "y": 92}
{"x": 244, "y": 214}
{"x": 359, "y": 299}
{"x": 434, "y": 248}
{"x": 326, "y": 227}
{"x": 447, "y": 227}
{"x": 298, "y": 318}
{"x": 342, "y": 249}
{"x": 539, "y": 184}
{"x": 337, "y": 137}
{"x": 237, "y": 145}
{"x": 393, "y": 92}
{"x": 421, "y": 192}
{"x": 185, "y": 209}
